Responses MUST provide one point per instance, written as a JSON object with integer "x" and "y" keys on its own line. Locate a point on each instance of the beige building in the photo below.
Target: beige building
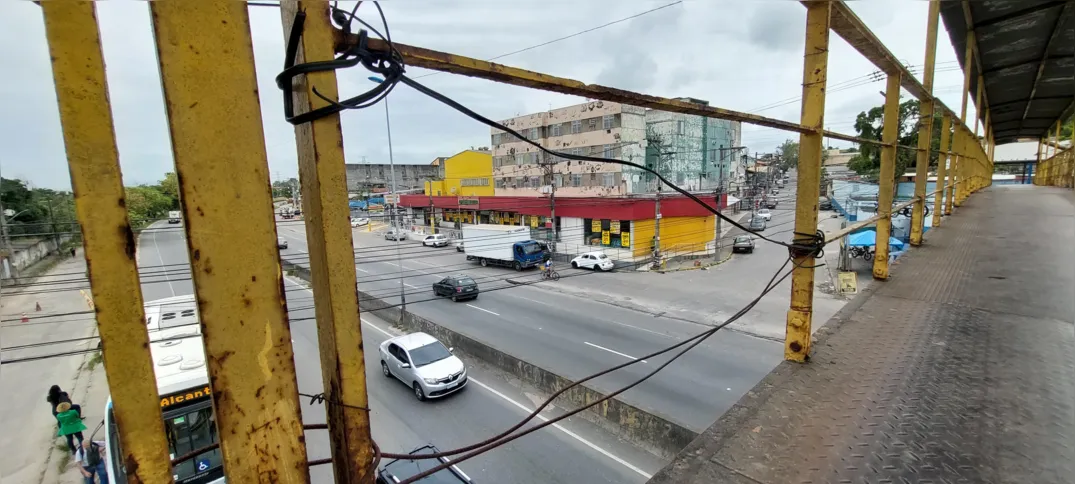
{"x": 595, "y": 128}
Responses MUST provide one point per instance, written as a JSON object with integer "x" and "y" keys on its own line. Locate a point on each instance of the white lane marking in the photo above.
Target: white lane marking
{"x": 541, "y": 417}
{"x": 480, "y": 309}
{"x": 565, "y": 431}
{"x": 426, "y": 263}
{"x": 411, "y": 286}
{"x": 612, "y": 351}
{"x": 163, "y": 269}
{"x": 361, "y": 270}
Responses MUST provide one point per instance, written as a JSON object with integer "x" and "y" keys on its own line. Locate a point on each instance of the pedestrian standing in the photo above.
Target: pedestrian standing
{"x": 93, "y": 462}
{"x": 72, "y": 251}
{"x": 57, "y": 396}
{"x": 71, "y": 425}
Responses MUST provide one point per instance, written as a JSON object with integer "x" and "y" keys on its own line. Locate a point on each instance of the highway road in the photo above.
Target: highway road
{"x": 573, "y": 336}
{"x": 576, "y": 452}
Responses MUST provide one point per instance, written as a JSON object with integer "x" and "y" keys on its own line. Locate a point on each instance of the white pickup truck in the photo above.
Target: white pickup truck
{"x": 175, "y": 216}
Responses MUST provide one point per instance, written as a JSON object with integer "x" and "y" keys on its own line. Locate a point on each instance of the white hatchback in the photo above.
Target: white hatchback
{"x": 435, "y": 240}
{"x": 597, "y": 261}
{"x": 765, "y": 214}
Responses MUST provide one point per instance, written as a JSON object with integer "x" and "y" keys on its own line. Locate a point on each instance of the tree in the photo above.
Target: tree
{"x": 789, "y": 154}
{"x": 869, "y": 125}
{"x": 147, "y": 203}
{"x": 169, "y": 186}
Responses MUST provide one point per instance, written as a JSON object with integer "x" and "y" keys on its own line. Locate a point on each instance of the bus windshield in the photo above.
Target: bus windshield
{"x": 189, "y": 430}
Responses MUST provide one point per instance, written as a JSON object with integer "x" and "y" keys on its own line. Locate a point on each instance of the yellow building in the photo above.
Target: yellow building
{"x": 467, "y": 174}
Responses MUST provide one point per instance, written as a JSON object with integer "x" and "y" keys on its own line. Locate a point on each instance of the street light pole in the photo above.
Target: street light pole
{"x": 395, "y": 206}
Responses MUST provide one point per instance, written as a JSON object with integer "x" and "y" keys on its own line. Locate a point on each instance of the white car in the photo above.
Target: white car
{"x": 359, "y": 221}
{"x": 435, "y": 240}
{"x": 764, "y": 214}
{"x": 597, "y": 261}
{"x": 281, "y": 243}
{"x": 423, "y": 363}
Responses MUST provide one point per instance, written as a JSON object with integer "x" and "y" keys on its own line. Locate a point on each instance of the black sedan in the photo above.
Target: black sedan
{"x": 743, "y": 243}
{"x": 457, "y": 287}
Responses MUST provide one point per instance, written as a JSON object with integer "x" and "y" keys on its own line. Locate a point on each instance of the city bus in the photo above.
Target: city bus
{"x": 185, "y": 403}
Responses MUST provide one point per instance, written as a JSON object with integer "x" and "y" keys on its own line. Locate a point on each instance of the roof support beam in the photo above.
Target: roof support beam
{"x": 1019, "y": 13}
{"x": 972, "y": 38}
{"x": 1045, "y": 57}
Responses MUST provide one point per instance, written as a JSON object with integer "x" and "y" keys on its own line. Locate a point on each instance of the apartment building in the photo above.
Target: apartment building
{"x": 694, "y": 152}
{"x": 596, "y": 128}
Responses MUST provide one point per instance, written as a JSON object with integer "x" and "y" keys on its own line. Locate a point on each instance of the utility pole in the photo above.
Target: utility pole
{"x": 432, "y": 215}
{"x": 657, "y": 230}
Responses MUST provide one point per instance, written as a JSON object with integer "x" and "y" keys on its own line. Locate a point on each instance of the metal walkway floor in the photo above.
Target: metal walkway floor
{"x": 959, "y": 369}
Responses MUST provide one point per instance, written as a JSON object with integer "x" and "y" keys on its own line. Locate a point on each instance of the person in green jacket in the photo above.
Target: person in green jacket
{"x": 71, "y": 425}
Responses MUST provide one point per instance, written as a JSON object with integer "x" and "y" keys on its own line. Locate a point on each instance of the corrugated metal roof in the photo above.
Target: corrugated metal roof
{"x": 1026, "y": 55}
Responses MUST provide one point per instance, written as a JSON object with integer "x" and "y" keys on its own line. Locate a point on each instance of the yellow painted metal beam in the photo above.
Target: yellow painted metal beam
{"x": 82, "y": 93}
{"x": 211, "y": 95}
{"x": 955, "y": 184}
{"x": 925, "y": 127}
{"x": 886, "y": 178}
{"x": 815, "y": 78}
{"x": 1037, "y": 166}
{"x": 942, "y": 169}
{"x": 328, "y": 234}
{"x": 471, "y": 67}
{"x": 974, "y": 146}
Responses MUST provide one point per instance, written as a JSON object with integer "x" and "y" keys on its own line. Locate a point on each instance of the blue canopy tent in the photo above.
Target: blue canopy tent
{"x": 869, "y": 238}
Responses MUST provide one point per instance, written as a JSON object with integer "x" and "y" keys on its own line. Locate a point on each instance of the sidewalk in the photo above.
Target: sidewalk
{"x": 30, "y": 451}
{"x": 958, "y": 369}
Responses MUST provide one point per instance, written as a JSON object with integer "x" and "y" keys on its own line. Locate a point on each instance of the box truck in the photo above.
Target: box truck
{"x": 174, "y": 216}
{"x": 502, "y": 245}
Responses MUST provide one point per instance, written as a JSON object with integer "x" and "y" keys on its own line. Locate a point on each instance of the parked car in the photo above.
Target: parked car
{"x": 771, "y": 203}
{"x": 360, "y": 221}
{"x": 457, "y": 287}
{"x": 459, "y": 246}
{"x": 281, "y": 243}
{"x": 423, "y": 363}
{"x": 395, "y": 234}
{"x": 764, "y": 214}
{"x": 401, "y": 469}
{"x": 743, "y": 243}
{"x": 824, "y": 203}
{"x": 435, "y": 240}
{"x": 870, "y": 206}
{"x": 757, "y": 224}
{"x": 596, "y": 261}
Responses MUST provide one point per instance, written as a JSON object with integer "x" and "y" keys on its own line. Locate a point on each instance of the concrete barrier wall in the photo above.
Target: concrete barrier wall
{"x": 654, "y": 433}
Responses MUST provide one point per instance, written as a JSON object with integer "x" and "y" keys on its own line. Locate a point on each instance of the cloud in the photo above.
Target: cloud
{"x": 735, "y": 54}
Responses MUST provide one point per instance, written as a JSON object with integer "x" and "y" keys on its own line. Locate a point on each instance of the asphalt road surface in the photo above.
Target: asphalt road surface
{"x": 576, "y": 452}
{"x": 570, "y": 335}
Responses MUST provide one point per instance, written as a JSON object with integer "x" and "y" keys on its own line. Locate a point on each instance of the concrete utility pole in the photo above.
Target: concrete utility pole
{"x": 657, "y": 229}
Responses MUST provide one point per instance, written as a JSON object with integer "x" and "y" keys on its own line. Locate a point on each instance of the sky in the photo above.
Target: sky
{"x": 737, "y": 54}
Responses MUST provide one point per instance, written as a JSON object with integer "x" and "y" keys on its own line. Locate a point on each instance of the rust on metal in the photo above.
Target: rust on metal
{"x": 78, "y": 71}
{"x": 206, "y": 62}
{"x": 471, "y": 67}
{"x": 331, "y": 250}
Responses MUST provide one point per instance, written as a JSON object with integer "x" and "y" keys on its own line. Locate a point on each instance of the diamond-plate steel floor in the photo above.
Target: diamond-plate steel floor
{"x": 959, "y": 369}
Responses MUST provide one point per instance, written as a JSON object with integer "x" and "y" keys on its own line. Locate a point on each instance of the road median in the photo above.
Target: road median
{"x": 652, "y": 432}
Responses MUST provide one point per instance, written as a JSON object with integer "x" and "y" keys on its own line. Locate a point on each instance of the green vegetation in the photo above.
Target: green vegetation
{"x": 869, "y": 125}
{"x": 95, "y": 360}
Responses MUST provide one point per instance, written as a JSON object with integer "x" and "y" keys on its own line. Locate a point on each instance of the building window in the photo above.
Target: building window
{"x": 593, "y": 124}
{"x": 606, "y": 121}
{"x": 518, "y": 182}
{"x": 554, "y": 130}
{"x": 534, "y": 157}
{"x": 474, "y": 182}
{"x": 520, "y": 159}
{"x": 576, "y": 151}
{"x": 679, "y": 127}
{"x": 535, "y": 133}
{"x": 593, "y": 180}
{"x": 500, "y": 183}
{"x": 606, "y": 151}
{"x": 576, "y": 127}
{"x": 576, "y": 179}
{"x": 558, "y": 180}
{"x": 610, "y": 179}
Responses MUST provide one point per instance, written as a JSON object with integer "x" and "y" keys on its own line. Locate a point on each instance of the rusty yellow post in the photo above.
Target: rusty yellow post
{"x": 986, "y": 174}
{"x": 332, "y": 259}
{"x": 925, "y": 129}
{"x": 974, "y": 145}
{"x": 210, "y": 89}
{"x": 1037, "y": 166}
{"x": 887, "y": 175}
{"x": 956, "y": 185}
{"x": 942, "y": 170}
{"x": 815, "y": 75}
{"x": 82, "y": 93}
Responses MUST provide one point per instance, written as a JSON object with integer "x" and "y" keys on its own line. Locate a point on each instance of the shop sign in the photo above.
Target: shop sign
{"x": 615, "y": 226}
{"x": 595, "y": 226}
{"x": 533, "y": 221}
{"x": 606, "y": 238}
{"x": 625, "y": 239}
{"x": 469, "y": 202}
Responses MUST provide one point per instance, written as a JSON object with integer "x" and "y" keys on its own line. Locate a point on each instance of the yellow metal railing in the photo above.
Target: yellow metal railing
{"x": 207, "y": 74}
